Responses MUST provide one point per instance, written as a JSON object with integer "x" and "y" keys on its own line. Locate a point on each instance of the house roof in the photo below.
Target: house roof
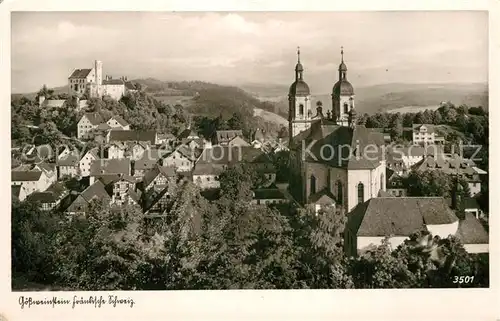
{"x": 80, "y": 73}
{"x": 118, "y": 135}
{"x": 113, "y": 82}
{"x": 430, "y": 128}
{"x": 16, "y": 190}
{"x": 54, "y": 193}
{"x": 70, "y": 160}
{"x": 399, "y": 216}
{"x": 129, "y": 85}
{"x": 108, "y": 179}
{"x": 187, "y": 133}
{"x": 470, "y": 203}
{"x": 322, "y": 197}
{"x": 450, "y": 165}
{"x": 188, "y": 152}
{"x": 94, "y": 118}
{"x": 96, "y": 190}
{"x": 471, "y": 231}
{"x": 208, "y": 169}
{"x": 119, "y": 120}
{"x": 268, "y": 193}
{"x": 25, "y": 176}
{"x": 233, "y": 154}
{"x": 167, "y": 171}
{"x": 110, "y": 166}
{"x": 227, "y": 135}
{"x": 148, "y": 159}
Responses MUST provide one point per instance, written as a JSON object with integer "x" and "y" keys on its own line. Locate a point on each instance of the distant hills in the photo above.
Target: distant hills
{"x": 213, "y": 100}
{"x": 379, "y": 98}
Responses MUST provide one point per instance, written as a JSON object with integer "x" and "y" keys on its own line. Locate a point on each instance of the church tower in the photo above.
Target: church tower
{"x": 299, "y": 102}
{"x": 342, "y": 95}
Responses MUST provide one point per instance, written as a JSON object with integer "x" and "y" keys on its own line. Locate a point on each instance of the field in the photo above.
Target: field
{"x": 270, "y": 117}
{"x": 173, "y": 100}
{"x": 413, "y": 109}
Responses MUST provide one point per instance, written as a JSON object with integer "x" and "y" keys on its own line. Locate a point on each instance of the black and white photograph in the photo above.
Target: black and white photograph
{"x": 265, "y": 150}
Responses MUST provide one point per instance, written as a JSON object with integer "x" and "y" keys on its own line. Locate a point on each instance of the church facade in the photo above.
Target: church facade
{"x": 334, "y": 161}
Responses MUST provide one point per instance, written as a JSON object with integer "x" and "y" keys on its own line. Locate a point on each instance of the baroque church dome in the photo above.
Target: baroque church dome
{"x": 299, "y": 88}
{"x": 343, "y": 87}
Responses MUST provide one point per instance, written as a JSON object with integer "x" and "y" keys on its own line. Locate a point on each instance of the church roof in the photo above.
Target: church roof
{"x": 340, "y": 146}
{"x": 343, "y": 87}
{"x": 299, "y": 88}
{"x": 342, "y": 66}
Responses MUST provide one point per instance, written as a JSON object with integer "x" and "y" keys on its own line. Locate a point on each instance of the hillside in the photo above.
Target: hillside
{"x": 386, "y": 97}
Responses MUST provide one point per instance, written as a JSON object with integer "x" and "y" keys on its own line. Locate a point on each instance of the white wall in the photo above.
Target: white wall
{"x": 301, "y": 126}
{"x": 206, "y": 181}
{"x": 475, "y": 188}
{"x": 443, "y": 230}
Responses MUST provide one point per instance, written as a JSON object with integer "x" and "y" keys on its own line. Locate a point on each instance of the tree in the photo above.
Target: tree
{"x": 281, "y": 161}
{"x": 238, "y": 181}
{"x": 236, "y": 122}
{"x": 319, "y": 240}
{"x": 433, "y": 183}
{"x": 397, "y": 126}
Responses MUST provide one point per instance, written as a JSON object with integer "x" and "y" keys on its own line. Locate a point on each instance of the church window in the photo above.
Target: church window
{"x": 361, "y": 193}
{"x": 339, "y": 192}
{"x": 382, "y": 181}
{"x": 301, "y": 109}
{"x": 346, "y": 108}
{"x": 313, "y": 185}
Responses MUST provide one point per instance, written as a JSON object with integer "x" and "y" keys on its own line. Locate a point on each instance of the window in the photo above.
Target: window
{"x": 301, "y": 109}
{"x": 382, "y": 181}
{"x": 339, "y": 192}
{"x": 361, "y": 193}
{"x": 346, "y": 108}
{"x": 313, "y": 184}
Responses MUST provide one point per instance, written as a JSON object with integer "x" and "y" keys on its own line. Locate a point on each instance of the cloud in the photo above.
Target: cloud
{"x": 250, "y": 46}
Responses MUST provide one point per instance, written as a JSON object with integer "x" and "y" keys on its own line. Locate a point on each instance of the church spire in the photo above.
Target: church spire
{"x": 299, "y": 69}
{"x": 342, "y": 66}
{"x": 342, "y": 53}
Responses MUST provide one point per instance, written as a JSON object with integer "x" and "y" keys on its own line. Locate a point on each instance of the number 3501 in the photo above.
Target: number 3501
{"x": 463, "y": 279}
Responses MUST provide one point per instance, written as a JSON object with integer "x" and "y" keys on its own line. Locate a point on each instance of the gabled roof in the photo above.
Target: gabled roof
{"x": 234, "y": 154}
{"x": 167, "y": 171}
{"x": 103, "y": 126}
{"x": 450, "y": 165}
{"x": 94, "y": 118}
{"x": 110, "y": 166}
{"x": 188, "y": 132}
{"x": 471, "y": 231}
{"x": 268, "y": 193}
{"x": 53, "y": 103}
{"x": 119, "y": 120}
{"x": 95, "y": 191}
{"x": 129, "y": 85}
{"x": 70, "y": 160}
{"x": 227, "y": 135}
{"x": 430, "y": 128}
{"x": 188, "y": 152}
{"x": 54, "y": 193}
{"x": 16, "y": 190}
{"x": 322, "y": 197}
{"x": 148, "y": 159}
{"x": 399, "y": 216}
{"x": 108, "y": 179}
{"x": 113, "y": 82}
{"x": 80, "y": 73}
{"x": 25, "y": 176}
{"x": 118, "y": 135}
{"x": 208, "y": 169}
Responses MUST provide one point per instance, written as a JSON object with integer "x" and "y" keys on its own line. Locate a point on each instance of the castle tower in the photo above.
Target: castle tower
{"x": 98, "y": 72}
{"x": 299, "y": 102}
{"x": 342, "y": 95}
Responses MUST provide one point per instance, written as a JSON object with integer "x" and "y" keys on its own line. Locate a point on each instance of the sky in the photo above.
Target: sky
{"x": 251, "y": 47}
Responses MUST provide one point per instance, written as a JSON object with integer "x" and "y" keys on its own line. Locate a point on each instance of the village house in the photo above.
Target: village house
{"x": 188, "y": 134}
{"x": 426, "y": 134}
{"x": 88, "y": 124}
{"x": 31, "y": 181}
{"x": 51, "y": 198}
{"x": 68, "y": 165}
{"x": 132, "y": 136}
{"x": 401, "y": 158}
{"x": 182, "y": 158}
{"x": 269, "y": 196}
{"x": 206, "y": 175}
{"x": 228, "y": 137}
{"x": 147, "y": 162}
{"x": 473, "y": 235}
{"x": 121, "y": 188}
{"x": 19, "y": 192}
{"x": 102, "y": 167}
{"x": 95, "y": 192}
{"x": 116, "y": 122}
{"x": 397, "y": 218}
{"x": 158, "y": 178}
{"x": 455, "y": 165}
{"x": 395, "y": 185}
{"x": 84, "y": 163}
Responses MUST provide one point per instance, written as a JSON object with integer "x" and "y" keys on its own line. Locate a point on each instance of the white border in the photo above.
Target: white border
{"x": 473, "y": 304}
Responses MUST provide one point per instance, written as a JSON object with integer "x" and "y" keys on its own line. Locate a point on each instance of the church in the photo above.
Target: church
{"x": 333, "y": 160}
